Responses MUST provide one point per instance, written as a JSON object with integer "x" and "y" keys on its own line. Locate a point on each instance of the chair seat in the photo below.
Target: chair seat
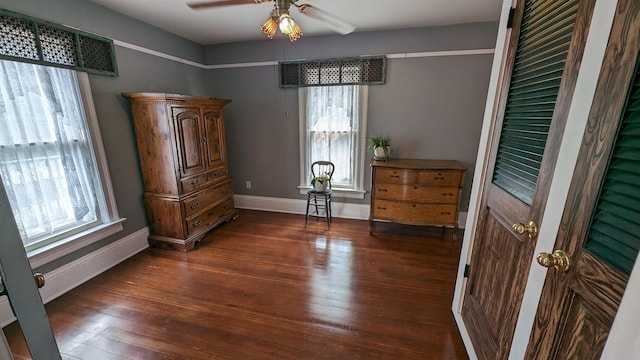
{"x": 316, "y": 192}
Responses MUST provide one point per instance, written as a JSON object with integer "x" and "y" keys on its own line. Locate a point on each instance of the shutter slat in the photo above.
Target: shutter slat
{"x": 543, "y": 45}
{"x": 538, "y": 68}
{"x": 626, "y": 240}
{"x": 614, "y": 232}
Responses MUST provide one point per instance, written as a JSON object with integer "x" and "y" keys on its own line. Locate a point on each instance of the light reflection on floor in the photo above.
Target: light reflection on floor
{"x": 331, "y": 281}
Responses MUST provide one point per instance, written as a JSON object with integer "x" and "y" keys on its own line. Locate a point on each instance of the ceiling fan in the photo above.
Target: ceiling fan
{"x": 281, "y": 19}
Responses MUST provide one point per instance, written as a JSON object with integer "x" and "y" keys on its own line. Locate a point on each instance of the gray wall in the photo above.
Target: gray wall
{"x": 137, "y": 72}
{"x": 430, "y": 107}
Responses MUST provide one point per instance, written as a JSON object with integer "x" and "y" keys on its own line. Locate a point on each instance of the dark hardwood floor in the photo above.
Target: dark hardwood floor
{"x": 265, "y": 287}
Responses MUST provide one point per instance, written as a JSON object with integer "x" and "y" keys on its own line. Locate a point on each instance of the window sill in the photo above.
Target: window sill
{"x": 73, "y": 243}
{"x": 340, "y": 193}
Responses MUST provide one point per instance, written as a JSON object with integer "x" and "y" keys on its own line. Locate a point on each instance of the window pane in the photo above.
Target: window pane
{"x": 46, "y": 159}
{"x": 332, "y": 130}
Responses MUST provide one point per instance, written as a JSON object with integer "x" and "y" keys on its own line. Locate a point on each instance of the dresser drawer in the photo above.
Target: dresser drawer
{"x": 440, "y": 178}
{"x": 415, "y": 213}
{"x": 206, "y": 198}
{"x": 396, "y": 176}
{"x": 414, "y": 193}
{"x": 210, "y": 216}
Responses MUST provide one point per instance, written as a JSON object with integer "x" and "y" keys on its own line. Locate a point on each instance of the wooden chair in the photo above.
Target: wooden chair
{"x": 320, "y": 169}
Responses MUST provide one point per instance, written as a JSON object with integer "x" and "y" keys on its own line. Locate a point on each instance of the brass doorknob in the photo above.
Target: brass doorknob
{"x": 559, "y": 260}
{"x": 530, "y": 229}
{"x": 39, "y": 278}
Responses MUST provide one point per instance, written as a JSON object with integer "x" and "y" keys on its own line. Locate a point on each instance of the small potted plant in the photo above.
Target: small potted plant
{"x": 320, "y": 182}
{"x": 380, "y": 145}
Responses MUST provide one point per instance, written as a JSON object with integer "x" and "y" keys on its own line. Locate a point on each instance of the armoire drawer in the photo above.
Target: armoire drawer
{"x": 203, "y": 199}
{"x": 193, "y": 183}
{"x": 217, "y": 174}
{"x": 213, "y": 215}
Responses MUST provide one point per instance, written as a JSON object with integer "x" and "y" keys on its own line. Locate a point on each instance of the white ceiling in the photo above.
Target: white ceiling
{"x": 242, "y": 22}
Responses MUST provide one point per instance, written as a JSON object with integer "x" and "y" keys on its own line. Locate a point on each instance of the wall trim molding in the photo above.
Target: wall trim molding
{"x": 296, "y": 206}
{"x": 275, "y": 63}
{"x": 79, "y": 271}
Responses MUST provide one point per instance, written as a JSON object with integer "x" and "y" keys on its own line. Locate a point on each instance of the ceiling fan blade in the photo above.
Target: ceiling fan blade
{"x": 333, "y": 22}
{"x": 210, "y": 4}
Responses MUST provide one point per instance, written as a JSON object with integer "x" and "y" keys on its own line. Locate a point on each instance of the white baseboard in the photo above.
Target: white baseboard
{"x": 296, "y": 206}
{"x": 75, "y": 273}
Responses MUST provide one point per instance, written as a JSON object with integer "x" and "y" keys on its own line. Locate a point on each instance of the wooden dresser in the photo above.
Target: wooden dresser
{"x": 182, "y": 151}
{"x": 416, "y": 192}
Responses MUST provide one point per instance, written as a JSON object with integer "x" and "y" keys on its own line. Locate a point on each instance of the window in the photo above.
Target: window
{"x": 333, "y": 127}
{"x": 51, "y": 159}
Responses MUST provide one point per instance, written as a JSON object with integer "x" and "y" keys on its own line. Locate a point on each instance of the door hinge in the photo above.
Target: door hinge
{"x": 512, "y": 13}
{"x": 466, "y": 270}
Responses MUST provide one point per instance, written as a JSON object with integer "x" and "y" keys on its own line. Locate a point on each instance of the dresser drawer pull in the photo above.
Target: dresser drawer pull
{"x": 218, "y": 173}
{"x": 197, "y": 223}
{"x": 195, "y": 181}
{"x": 227, "y": 205}
{"x": 445, "y": 213}
{"x": 225, "y": 191}
{"x": 195, "y": 206}
{"x": 382, "y": 208}
{"x": 447, "y": 194}
{"x": 413, "y": 205}
{"x": 383, "y": 190}
{"x": 395, "y": 176}
{"x": 438, "y": 178}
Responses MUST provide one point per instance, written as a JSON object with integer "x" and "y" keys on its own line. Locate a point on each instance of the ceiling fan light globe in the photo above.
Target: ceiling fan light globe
{"x": 287, "y": 24}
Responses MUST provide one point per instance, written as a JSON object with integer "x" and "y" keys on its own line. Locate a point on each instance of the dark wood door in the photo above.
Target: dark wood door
{"x": 189, "y": 140}
{"x": 600, "y": 227}
{"x": 545, "y": 50}
{"x": 214, "y": 135}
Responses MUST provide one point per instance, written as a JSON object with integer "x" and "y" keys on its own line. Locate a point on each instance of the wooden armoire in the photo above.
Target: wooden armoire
{"x": 182, "y": 150}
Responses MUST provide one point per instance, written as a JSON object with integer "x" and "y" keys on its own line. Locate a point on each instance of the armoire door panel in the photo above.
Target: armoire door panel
{"x": 214, "y": 146}
{"x": 189, "y": 139}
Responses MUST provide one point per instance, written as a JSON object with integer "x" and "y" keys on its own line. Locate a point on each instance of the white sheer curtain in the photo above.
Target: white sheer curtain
{"x": 332, "y": 130}
{"x": 46, "y": 160}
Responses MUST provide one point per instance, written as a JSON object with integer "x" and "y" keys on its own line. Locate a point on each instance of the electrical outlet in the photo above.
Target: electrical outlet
{"x": 247, "y": 184}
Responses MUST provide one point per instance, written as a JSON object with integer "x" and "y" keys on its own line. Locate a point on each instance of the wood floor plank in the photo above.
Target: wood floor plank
{"x": 265, "y": 287}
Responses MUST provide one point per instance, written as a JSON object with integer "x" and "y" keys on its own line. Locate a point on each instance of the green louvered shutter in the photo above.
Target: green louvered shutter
{"x": 543, "y": 45}
{"x": 614, "y": 235}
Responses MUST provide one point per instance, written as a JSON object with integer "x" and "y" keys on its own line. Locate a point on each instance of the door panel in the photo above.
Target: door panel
{"x": 577, "y": 307}
{"x": 592, "y": 332}
{"x": 501, "y": 258}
